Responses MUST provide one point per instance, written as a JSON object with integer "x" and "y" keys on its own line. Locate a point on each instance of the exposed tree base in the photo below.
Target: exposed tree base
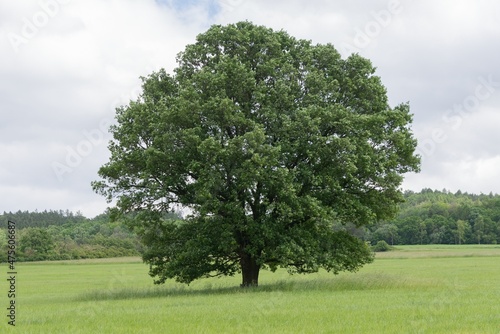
{"x": 249, "y": 271}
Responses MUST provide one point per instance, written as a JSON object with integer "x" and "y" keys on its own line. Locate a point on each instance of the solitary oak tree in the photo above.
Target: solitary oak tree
{"x": 273, "y": 144}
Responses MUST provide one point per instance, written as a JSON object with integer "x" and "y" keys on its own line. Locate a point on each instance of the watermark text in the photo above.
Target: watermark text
{"x": 11, "y": 272}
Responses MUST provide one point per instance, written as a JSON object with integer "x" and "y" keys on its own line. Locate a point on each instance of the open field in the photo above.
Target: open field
{"x": 415, "y": 289}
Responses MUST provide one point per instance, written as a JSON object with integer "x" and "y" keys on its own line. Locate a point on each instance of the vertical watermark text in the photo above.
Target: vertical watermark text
{"x": 11, "y": 272}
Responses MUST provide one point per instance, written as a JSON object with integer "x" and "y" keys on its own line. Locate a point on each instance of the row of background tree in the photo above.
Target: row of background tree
{"x": 426, "y": 217}
{"x": 62, "y": 235}
{"x": 440, "y": 217}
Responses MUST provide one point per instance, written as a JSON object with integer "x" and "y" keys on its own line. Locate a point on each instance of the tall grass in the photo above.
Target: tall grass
{"x": 409, "y": 294}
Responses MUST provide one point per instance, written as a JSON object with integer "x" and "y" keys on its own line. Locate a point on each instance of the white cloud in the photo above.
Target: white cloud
{"x": 65, "y": 78}
{"x": 72, "y": 70}
{"x": 470, "y": 174}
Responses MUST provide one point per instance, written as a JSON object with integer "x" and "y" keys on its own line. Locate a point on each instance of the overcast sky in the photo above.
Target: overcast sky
{"x": 66, "y": 64}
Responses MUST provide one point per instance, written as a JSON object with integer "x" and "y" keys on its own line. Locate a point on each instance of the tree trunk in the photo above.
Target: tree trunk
{"x": 249, "y": 270}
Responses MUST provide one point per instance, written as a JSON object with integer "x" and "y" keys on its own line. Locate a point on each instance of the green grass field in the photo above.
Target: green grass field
{"x": 414, "y": 289}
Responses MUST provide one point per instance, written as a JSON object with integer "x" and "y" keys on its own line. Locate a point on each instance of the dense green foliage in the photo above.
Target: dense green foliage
{"x": 273, "y": 142}
{"x": 381, "y": 246}
{"x": 58, "y": 235}
{"x": 440, "y": 217}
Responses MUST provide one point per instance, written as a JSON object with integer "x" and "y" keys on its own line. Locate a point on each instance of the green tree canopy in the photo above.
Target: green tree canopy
{"x": 36, "y": 242}
{"x": 271, "y": 141}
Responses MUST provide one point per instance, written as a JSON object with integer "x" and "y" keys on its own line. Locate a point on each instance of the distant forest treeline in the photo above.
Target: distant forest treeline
{"x": 62, "y": 235}
{"x": 440, "y": 217}
{"x": 426, "y": 217}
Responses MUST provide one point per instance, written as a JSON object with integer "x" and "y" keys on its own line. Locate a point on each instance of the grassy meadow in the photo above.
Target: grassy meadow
{"x": 414, "y": 289}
